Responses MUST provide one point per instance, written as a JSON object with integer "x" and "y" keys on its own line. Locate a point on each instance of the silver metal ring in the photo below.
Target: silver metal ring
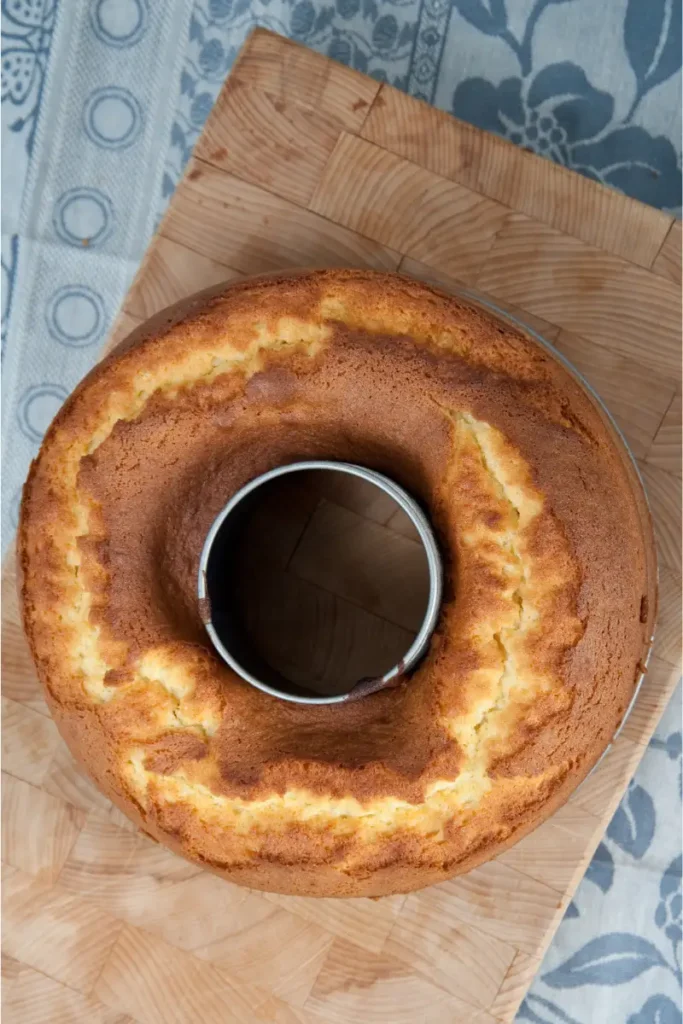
{"x": 435, "y": 569}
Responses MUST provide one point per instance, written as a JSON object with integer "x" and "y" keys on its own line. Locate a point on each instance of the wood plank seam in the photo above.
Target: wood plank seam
{"x": 661, "y": 423}
{"x": 359, "y": 130}
{"x": 422, "y": 972}
{"x": 500, "y": 989}
{"x": 479, "y": 192}
{"x": 426, "y": 170}
{"x": 105, "y": 962}
{"x": 57, "y": 981}
{"x": 215, "y": 156}
{"x": 287, "y": 204}
{"x": 436, "y": 181}
{"x": 184, "y": 182}
{"x": 673, "y": 237}
{"x": 585, "y": 291}
{"x": 74, "y": 815}
{"x": 459, "y": 287}
{"x": 290, "y": 48}
{"x": 619, "y": 260}
{"x": 583, "y": 864}
{"x": 552, "y": 168}
{"x": 665, "y": 240}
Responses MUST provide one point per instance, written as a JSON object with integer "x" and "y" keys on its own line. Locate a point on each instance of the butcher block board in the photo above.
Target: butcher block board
{"x": 305, "y": 162}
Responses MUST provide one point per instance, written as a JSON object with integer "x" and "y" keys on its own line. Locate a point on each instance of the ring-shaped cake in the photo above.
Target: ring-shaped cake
{"x": 549, "y": 581}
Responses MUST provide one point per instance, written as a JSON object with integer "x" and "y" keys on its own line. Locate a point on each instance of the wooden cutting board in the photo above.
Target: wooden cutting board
{"x": 305, "y": 162}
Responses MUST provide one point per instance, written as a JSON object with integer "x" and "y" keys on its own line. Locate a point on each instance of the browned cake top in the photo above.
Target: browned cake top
{"x": 544, "y": 621}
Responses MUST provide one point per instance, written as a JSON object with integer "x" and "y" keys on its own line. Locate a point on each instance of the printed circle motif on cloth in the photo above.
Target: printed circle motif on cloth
{"x": 83, "y": 216}
{"x": 37, "y": 408}
{"x": 120, "y": 23}
{"x": 112, "y": 117}
{"x": 75, "y": 315}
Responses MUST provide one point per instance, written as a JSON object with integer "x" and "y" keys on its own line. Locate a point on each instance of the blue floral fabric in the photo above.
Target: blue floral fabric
{"x": 102, "y": 102}
{"x": 617, "y": 121}
{"x": 562, "y": 110}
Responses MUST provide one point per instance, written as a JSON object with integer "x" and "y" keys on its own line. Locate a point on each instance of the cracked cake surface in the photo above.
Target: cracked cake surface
{"x": 547, "y": 606}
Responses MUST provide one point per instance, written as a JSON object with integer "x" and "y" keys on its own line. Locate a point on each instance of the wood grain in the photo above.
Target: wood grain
{"x": 348, "y": 642}
{"x": 29, "y": 742}
{"x": 274, "y": 142}
{"x": 265, "y": 132}
{"x": 263, "y": 944}
{"x": 638, "y": 396}
{"x": 664, "y": 492}
{"x": 55, "y": 932}
{"x": 430, "y": 937}
{"x": 155, "y": 981}
{"x": 552, "y": 853}
{"x": 653, "y": 698}
{"x": 665, "y": 451}
{"x": 266, "y": 233}
{"x": 119, "y": 870}
{"x": 362, "y": 497}
{"x": 413, "y": 268}
{"x": 668, "y": 261}
{"x": 171, "y": 272}
{"x": 292, "y": 73}
{"x": 364, "y": 923}
{"x": 520, "y": 180}
{"x": 503, "y": 903}
{"x": 668, "y": 645}
{"x": 407, "y": 208}
{"x": 328, "y": 595}
{"x": 37, "y": 999}
{"x": 38, "y": 830}
{"x": 378, "y": 989}
{"x": 586, "y": 291}
{"x": 106, "y": 927}
{"x": 123, "y": 325}
{"x": 515, "y": 986}
{"x": 67, "y": 780}
{"x": 601, "y": 790}
{"x": 19, "y": 679}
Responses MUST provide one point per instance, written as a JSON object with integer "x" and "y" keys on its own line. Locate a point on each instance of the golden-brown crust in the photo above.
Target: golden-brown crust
{"x": 540, "y": 639}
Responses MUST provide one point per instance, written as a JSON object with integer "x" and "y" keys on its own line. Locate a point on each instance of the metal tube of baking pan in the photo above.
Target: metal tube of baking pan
{"x": 227, "y": 640}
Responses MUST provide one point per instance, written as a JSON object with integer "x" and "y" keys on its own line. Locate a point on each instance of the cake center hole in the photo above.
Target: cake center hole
{"x": 317, "y": 579}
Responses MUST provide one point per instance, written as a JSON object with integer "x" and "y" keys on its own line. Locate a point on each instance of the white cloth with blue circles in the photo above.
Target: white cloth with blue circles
{"x": 102, "y": 101}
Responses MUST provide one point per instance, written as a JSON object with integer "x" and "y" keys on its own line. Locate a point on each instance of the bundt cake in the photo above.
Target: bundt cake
{"x": 548, "y": 601}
